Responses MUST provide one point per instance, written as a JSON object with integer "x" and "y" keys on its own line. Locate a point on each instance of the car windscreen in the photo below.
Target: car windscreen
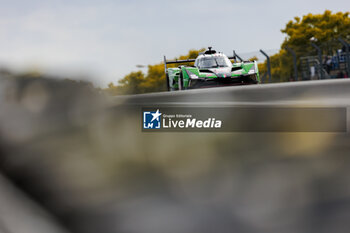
{"x": 213, "y": 62}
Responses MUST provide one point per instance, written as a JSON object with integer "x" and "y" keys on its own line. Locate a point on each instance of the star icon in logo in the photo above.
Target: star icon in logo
{"x": 156, "y": 115}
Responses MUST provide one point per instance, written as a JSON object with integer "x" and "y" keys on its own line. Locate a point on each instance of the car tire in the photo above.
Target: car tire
{"x": 180, "y": 82}
{"x": 168, "y": 82}
{"x": 251, "y": 79}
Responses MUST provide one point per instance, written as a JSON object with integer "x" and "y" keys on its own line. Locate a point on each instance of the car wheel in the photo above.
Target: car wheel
{"x": 180, "y": 82}
{"x": 168, "y": 82}
{"x": 251, "y": 79}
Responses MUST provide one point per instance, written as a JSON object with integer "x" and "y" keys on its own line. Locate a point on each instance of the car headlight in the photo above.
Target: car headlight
{"x": 193, "y": 76}
{"x": 251, "y": 71}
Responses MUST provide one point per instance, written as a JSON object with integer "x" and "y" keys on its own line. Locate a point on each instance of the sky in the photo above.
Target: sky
{"x": 103, "y": 40}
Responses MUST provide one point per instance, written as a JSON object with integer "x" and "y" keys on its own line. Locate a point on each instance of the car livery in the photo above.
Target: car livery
{"x": 211, "y": 69}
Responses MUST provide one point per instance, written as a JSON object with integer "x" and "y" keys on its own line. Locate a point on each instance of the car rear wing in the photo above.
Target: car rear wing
{"x": 175, "y": 62}
{"x": 234, "y": 57}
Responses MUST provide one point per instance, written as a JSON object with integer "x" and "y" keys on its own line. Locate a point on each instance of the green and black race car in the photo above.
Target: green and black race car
{"x": 211, "y": 69}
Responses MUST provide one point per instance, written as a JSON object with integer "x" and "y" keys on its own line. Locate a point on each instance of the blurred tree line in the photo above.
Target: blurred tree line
{"x": 154, "y": 81}
{"x": 323, "y": 29}
{"x": 31, "y": 74}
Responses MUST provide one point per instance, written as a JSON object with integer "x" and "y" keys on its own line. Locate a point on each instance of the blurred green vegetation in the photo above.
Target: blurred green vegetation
{"x": 154, "y": 81}
{"x": 322, "y": 29}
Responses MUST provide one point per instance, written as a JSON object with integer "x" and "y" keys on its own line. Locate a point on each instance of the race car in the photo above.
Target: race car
{"x": 211, "y": 69}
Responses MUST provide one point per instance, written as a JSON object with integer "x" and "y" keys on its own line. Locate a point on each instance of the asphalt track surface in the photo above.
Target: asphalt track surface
{"x": 320, "y": 92}
{"x": 261, "y": 98}
{"x": 84, "y": 162}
